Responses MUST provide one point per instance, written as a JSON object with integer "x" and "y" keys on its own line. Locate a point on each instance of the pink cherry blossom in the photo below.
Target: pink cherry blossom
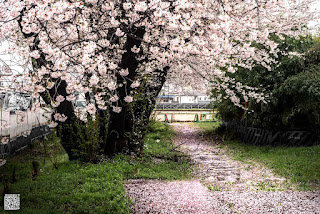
{"x": 127, "y": 6}
{"x": 83, "y": 45}
{"x": 4, "y": 140}
{"x": 50, "y": 85}
{"x": 116, "y": 109}
{"x": 52, "y": 124}
{"x": 60, "y": 117}
{"x": 119, "y": 33}
{"x": 94, "y": 80}
{"x": 35, "y": 54}
{"x": 60, "y": 99}
{"x": 124, "y": 72}
{"x": 70, "y": 97}
{"x": 134, "y": 49}
{"x": 128, "y": 99}
{"x": 114, "y": 98}
{"x": 112, "y": 86}
{"x": 55, "y": 104}
{"x": 135, "y": 84}
{"x": 91, "y": 108}
{"x": 140, "y": 6}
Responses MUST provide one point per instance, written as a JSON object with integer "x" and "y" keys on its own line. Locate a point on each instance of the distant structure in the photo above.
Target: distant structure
{"x": 5, "y": 72}
{"x": 195, "y": 97}
{"x": 15, "y": 101}
{"x": 182, "y": 95}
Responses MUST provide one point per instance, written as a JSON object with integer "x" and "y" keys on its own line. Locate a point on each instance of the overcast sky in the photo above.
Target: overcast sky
{"x": 314, "y": 25}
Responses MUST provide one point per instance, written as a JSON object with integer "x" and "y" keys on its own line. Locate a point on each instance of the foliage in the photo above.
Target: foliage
{"x": 76, "y": 187}
{"x": 83, "y": 138}
{"x": 226, "y": 110}
{"x": 292, "y": 88}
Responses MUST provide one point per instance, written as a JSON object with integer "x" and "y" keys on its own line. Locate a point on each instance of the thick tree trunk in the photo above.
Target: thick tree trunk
{"x": 72, "y": 132}
{"x": 144, "y": 108}
{"x": 121, "y": 123}
{"x": 127, "y": 128}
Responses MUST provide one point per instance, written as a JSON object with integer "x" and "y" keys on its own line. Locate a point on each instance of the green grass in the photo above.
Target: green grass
{"x": 76, "y": 187}
{"x": 208, "y": 128}
{"x": 301, "y": 165}
{"x": 214, "y": 188}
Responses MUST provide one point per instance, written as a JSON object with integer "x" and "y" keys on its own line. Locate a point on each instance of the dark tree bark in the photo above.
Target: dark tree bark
{"x": 120, "y": 123}
{"x": 72, "y": 129}
{"x": 144, "y": 107}
{"x": 71, "y": 132}
{"x": 127, "y": 128}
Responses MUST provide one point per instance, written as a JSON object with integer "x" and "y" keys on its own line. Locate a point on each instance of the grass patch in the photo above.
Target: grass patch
{"x": 208, "y": 128}
{"x": 214, "y": 188}
{"x": 160, "y": 159}
{"x": 75, "y": 187}
{"x": 300, "y": 165}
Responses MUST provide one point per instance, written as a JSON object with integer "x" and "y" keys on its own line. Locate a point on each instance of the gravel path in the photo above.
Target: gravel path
{"x": 234, "y": 185}
{"x": 153, "y": 196}
{"x": 217, "y": 170}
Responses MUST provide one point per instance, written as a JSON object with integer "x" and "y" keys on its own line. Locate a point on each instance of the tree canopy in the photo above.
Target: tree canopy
{"x": 122, "y": 51}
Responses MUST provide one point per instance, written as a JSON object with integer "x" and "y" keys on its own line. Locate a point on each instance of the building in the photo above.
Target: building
{"x": 182, "y": 94}
{"x": 165, "y": 99}
{"x": 194, "y": 97}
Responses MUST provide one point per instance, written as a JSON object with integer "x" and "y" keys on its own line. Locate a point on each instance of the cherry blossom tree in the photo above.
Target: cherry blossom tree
{"x": 120, "y": 53}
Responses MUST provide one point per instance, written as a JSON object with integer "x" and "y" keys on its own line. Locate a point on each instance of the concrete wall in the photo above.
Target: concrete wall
{"x": 187, "y": 99}
{"x": 22, "y": 122}
{"x": 183, "y": 115}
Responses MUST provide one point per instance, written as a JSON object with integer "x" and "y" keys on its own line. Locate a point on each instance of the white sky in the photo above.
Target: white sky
{"x": 314, "y": 25}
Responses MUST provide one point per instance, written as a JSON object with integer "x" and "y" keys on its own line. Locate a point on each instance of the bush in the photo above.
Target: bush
{"x": 292, "y": 89}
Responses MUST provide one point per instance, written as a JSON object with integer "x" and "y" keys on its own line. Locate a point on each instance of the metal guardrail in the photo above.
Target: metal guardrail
{"x": 182, "y": 106}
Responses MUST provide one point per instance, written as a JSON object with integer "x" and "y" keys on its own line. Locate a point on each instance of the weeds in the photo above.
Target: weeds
{"x": 63, "y": 186}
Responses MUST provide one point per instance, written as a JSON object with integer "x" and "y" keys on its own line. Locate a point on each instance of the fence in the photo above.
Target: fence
{"x": 20, "y": 128}
{"x": 21, "y": 142}
{"x": 182, "y": 106}
{"x": 258, "y": 136}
